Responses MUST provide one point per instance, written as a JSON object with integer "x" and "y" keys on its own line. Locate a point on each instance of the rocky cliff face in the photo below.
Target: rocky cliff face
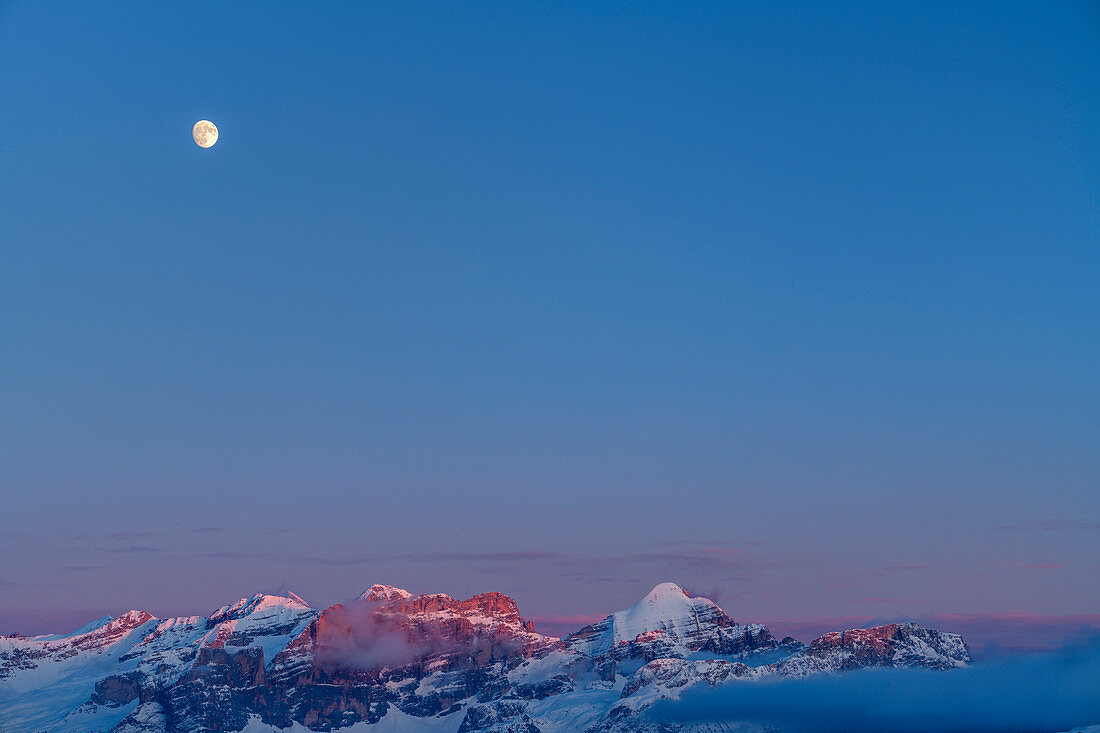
{"x": 893, "y": 645}
{"x": 422, "y": 654}
{"x": 412, "y": 662}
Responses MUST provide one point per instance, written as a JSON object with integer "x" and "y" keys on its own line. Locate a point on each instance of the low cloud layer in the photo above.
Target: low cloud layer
{"x": 1037, "y": 693}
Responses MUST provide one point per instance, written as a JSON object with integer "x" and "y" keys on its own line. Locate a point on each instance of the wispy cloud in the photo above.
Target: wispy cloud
{"x": 988, "y": 633}
{"x": 1051, "y": 525}
{"x": 330, "y": 559}
{"x": 706, "y": 543}
{"x": 887, "y": 570}
{"x": 523, "y": 555}
{"x": 83, "y": 568}
{"x": 723, "y": 563}
{"x": 134, "y": 550}
{"x": 227, "y": 555}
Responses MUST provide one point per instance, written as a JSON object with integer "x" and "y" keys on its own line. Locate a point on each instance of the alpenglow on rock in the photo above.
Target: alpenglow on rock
{"x": 423, "y": 663}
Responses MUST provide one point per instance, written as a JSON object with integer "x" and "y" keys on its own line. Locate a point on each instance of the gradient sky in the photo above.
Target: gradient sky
{"x": 794, "y": 304}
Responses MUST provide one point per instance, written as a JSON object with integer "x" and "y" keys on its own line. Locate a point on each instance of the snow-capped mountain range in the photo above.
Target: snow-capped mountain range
{"x": 395, "y": 661}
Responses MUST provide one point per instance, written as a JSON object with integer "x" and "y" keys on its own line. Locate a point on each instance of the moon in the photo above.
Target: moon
{"x": 205, "y": 133}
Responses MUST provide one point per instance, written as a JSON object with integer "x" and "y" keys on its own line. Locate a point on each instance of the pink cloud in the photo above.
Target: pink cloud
{"x": 886, "y": 570}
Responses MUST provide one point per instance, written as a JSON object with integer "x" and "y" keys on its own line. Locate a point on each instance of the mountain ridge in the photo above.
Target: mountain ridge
{"x": 271, "y": 662}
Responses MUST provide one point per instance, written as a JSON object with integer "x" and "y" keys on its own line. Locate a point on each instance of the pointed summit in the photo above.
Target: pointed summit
{"x": 290, "y": 602}
{"x": 667, "y": 608}
{"x": 669, "y": 622}
{"x": 284, "y": 591}
{"x": 379, "y": 592}
{"x": 664, "y": 592}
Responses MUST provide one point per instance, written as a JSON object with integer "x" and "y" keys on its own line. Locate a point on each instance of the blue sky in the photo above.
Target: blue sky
{"x": 795, "y": 305}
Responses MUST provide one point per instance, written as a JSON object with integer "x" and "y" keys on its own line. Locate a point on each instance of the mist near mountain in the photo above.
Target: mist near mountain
{"x": 1027, "y": 693}
{"x": 365, "y": 641}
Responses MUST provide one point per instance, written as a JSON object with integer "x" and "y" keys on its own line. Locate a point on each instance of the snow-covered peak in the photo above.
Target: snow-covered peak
{"x": 379, "y": 592}
{"x": 669, "y": 622}
{"x": 115, "y": 628}
{"x": 106, "y": 626}
{"x": 295, "y": 597}
{"x": 664, "y": 592}
{"x": 132, "y": 618}
{"x": 667, "y": 608}
{"x": 260, "y": 602}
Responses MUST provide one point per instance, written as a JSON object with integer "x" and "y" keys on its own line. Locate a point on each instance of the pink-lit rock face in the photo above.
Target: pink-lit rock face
{"x": 271, "y": 660}
{"x": 101, "y": 638}
{"x": 435, "y": 613}
{"x": 392, "y": 628}
{"x": 112, "y": 632}
{"x": 892, "y": 645}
